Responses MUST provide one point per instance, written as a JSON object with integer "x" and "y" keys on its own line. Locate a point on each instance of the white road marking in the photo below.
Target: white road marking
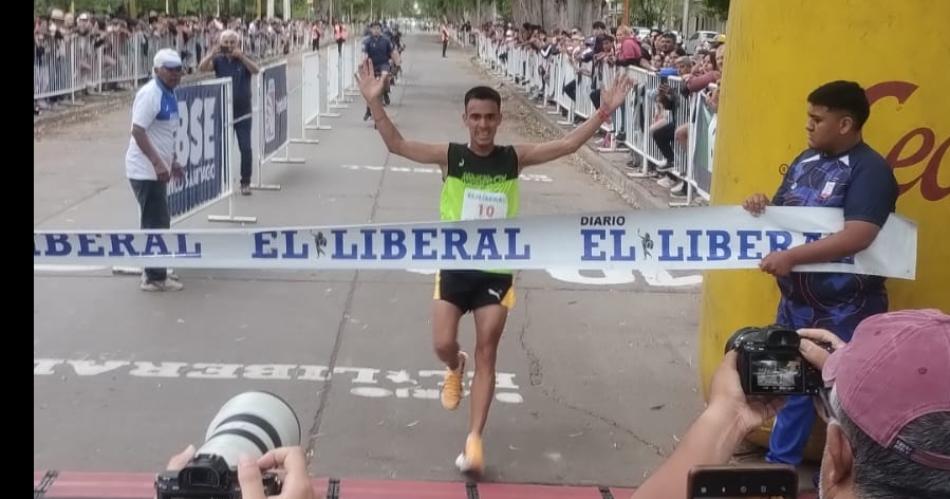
{"x": 369, "y": 382}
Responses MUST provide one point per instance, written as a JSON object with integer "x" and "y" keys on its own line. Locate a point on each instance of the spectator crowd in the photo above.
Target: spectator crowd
{"x": 601, "y": 51}
{"x": 87, "y": 52}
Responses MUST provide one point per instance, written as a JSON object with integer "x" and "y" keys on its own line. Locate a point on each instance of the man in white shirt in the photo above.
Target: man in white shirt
{"x": 150, "y": 161}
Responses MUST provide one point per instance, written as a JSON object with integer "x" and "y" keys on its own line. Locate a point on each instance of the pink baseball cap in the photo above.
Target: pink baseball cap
{"x": 895, "y": 369}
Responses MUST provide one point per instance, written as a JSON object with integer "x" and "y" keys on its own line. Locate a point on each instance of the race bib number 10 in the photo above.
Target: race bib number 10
{"x": 484, "y": 205}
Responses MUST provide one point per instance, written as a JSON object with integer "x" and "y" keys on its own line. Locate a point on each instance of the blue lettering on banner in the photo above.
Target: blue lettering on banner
{"x": 590, "y": 244}
{"x": 290, "y": 242}
{"x": 486, "y": 242}
{"x": 665, "y": 256}
{"x": 513, "y": 254}
{"x": 262, "y": 242}
{"x": 394, "y": 244}
{"x": 368, "y": 244}
{"x": 86, "y": 242}
{"x": 86, "y": 245}
{"x": 779, "y": 245}
{"x": 745, "y": 245}
{"x": 58, "y": 245}
{"x": 338, "y": 252}
{"x": 718, "y": 245}
{"x": 423, "y": 239}
{"x": 694, "y": 245}
{"x": 120, "y": 241}
{"x": 155, "y": 242}
{"x": 618, "y": 255}
{"x": 455, "y": 240}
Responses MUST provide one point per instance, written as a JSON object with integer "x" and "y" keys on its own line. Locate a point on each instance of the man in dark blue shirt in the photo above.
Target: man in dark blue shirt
{"x": 837, "y": 170}
{"x": 381, "y": 51}
{"x": 228, "y": 61}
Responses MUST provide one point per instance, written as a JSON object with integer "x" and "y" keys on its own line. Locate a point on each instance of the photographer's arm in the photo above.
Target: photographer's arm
{"x": 714, "y": 436}
{"x": 711, "y": 440}
{"x": 207, "y": 63}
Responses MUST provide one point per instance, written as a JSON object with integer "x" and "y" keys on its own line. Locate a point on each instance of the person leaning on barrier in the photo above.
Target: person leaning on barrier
{"x": 291, "y": 462}
{"x": 228, "y": 61}
{"x": 838, "y": 170}
{"x": 886, "y": 404}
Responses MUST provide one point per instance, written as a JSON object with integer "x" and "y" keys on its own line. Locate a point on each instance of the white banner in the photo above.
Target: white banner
{"x": 708, "y": 238}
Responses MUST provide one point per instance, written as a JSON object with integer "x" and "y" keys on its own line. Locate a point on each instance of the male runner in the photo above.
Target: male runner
{"x": 379, "y": 50}
{"x": 480, "y": 181}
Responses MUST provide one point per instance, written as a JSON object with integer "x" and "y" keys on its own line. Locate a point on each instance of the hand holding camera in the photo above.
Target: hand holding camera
{"x": 253, "y": 431}
{"x": 290, "y": 460}
{"x": 763, "y": 365}
{"x": 769, "y": 362}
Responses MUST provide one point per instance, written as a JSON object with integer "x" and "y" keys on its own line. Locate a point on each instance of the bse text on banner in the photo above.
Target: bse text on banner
{"x": 199, "y": 146}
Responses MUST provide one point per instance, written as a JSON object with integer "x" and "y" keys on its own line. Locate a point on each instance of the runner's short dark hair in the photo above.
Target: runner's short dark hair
{"x": 845, "y": 96}
{"x": 599, "y": 25}
{"x": 483, "y": 93}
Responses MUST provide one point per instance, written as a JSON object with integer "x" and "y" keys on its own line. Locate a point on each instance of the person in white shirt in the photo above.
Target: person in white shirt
{"x": 150, "y": 160}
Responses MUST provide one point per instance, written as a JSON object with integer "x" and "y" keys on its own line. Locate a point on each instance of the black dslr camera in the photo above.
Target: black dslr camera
{"x": 770, "y": 364}
{"x": 251, "y": 424}
{"x": 207, "y": 477}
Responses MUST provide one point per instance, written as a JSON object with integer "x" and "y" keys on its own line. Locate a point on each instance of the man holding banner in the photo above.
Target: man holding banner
{"x": 150, "y": 160}
{"x": 840, "y": 171}
{"x": 228, "y": 61}
{"x": 480, "y": 182}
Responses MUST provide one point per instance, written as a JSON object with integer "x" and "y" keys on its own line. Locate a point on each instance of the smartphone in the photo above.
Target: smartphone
{"x": 766, "y": 481}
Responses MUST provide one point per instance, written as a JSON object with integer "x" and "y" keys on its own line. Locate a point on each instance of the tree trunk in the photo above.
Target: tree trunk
{"x": 557, "y": 14}
{"x": 526, "y": 11}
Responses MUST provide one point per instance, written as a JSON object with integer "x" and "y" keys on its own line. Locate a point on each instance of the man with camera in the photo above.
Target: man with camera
{"x": 884, "y": 395}
{"x": 838, "y": 170}
{"x": 228, "y": 61}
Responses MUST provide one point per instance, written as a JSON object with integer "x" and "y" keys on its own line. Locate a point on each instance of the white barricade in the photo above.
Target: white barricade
{"x": 312, "y": 100}
{"x": 334, "y": 90}
{"x": 272, "y": 119}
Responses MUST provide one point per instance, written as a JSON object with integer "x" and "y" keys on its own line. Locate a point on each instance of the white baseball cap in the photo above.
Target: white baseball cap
{"x": 167, "y": 58}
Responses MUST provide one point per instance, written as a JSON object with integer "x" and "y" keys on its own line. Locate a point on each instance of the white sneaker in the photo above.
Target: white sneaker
{"x": 678, "y": 187}
{"x": 665, "y": 182}
{"x": 160, "y": 286}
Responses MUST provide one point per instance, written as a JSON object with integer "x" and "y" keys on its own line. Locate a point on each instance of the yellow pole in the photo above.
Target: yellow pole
{"x": 909, "y": 125}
